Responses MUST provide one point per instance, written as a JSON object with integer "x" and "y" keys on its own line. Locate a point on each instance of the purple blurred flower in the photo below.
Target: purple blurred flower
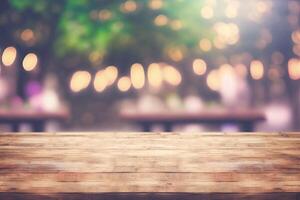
{"x": 33, "y": 88}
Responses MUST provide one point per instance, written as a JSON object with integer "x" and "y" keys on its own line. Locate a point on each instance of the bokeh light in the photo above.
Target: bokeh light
{"x": 100, "y": 81}
{"x": 257, "y": 70}
{"x": 213, "y": 80}
{"x": 27, "y": 35}
{"x": 80, "y": 80}
{"x": 207, "y": 12}
{"x": 104, "y": 15}
{"x": 172, "y": 75}
{"x": 137, "y": 75}
{"x": 199, "y": 67}
{"x": 294, "y": 69}
{"x": 155, "y": 4}
{"x": 161, "y": 20}
{"x": 111, "y": 74}
{"x": 30, "y": 62}
{"x": 205, "y": 45}
{"x": 9, "y": 56}
{"x": 155, "y": 76}
{"x": 129, "y": 6}
{"x": 124, "y": 84}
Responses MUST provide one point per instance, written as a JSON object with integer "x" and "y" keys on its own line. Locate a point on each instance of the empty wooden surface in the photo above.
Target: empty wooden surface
{"x": 248, "y": 164}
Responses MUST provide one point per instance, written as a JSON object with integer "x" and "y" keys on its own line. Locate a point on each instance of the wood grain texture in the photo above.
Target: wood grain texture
{"x": 55, "y": 165}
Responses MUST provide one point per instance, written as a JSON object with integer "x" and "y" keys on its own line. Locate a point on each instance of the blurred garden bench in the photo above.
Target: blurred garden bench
{"x": 245, "y": 119}
{"x": 36, "y": 119}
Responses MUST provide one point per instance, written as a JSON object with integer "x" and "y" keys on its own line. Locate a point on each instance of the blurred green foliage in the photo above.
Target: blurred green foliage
{"x": 121, "y": 34}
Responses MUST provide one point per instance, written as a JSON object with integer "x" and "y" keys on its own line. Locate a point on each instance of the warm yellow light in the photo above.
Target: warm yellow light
{"x": 257, "y": 70}
{"x": 80, "y": 80}
{"x": 231, "y": 11}
{"x": 9, "y": 56}
{"x": 226, "y": 33}
{"x": 219, "y": 43}
{"x": 27, "y": 35}
{"x": 137, "y": 75}
{"x": 226, "y": 70}
{"x": 100, "y": 81}
{"x": 262, "y": 7}
{"x": 111, "y": 74}
{"x": 124, "y": 84}
{"x": 155, "y": 4}
{"x": 274, "y": 73}
{"x": 172, "y": 75}
{"x": 155, "y": 76}
{"x": 296, "y": 36}
{"x": 296, "y": 50}
{"x": 234, "y": 34}
{"x": 161, "y": 20}
{"x": 241, "y": 70}
{"x": 95, "y": 57}
{"x": 199, "y": 67}
{"x": 176, "y": 25}
{"x": 294, "y": 69}
{"x": 266, "y": 38}
{"x": 129, "y": 6}
{"x": 104, "y": 15}
{"x": 277, "y": 58}
{"x": 205, "y": 45}
{"x": 175, "y": 54}
{"x": 207, "y": 12}
{"x": 213, "y": 80}
{"x": 30, "y": 62}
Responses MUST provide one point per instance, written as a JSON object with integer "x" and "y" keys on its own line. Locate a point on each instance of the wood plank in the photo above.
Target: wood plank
{"x": 202, "y": 163}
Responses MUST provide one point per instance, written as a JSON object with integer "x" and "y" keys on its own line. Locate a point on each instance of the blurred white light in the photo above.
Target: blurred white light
{"x": 50, "y": 101}
{"x": 207, "y": 12}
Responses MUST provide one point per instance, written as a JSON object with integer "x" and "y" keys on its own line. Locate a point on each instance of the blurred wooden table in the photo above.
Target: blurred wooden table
{"x": 150, "y": 166}
{"x": 37, "y": 119}
{"x": 246, "y": 119}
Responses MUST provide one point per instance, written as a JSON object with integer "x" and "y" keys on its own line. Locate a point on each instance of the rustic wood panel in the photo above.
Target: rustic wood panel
{"x": 150, "y": 165}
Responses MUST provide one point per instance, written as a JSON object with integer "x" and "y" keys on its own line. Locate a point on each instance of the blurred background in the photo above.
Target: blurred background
{"x": 107, "y": 65}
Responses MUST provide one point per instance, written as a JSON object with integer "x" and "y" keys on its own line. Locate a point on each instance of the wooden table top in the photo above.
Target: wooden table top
{"x": 95, "y": 163}
{"x": 205, "y": 116}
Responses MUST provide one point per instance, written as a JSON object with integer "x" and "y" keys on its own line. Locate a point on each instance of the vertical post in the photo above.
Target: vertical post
{"x": 146, "y": 126}
{"x": 247, "y": 127}
{"x": 38, "y": 126}
{"x": 15, "y": 126}
{"x": 167, "y": 126}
